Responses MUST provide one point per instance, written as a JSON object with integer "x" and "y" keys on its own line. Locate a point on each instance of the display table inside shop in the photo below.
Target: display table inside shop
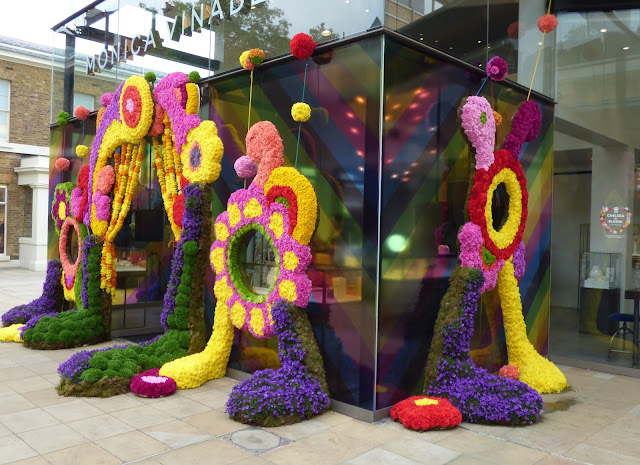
{"x": 595, "y": 307}
{"x": 635, "y": 295}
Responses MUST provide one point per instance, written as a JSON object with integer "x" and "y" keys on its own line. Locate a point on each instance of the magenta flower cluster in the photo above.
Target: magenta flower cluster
{"x": 49, "y": 301}
{"x": 290, "y": 391}
{"x": 480, "y": 396}
{"x": 497, "y": 69}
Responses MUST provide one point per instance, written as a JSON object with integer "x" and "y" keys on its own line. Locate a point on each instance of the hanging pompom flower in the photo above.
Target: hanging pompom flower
{"x": 63, "y": 119}
{"x": 513, "y": 31}
{"x": 62, "y": 164}
{"x": 150, "y": 384}
{"x": 245, "y": 167}
{"x": 105, "y": 99}
{"x": 244, "y": 60}
{"x": 256, "y": 56}
{"x": 302, "y": 45}
{"x": 82, "y": 151}
{"x": 193, "y": 76}
{"x": 301, "y": 112}
{"x": 547, "y": 23}
{"x": 423, "y": 413}
{"x": 497, "y": 69}
{"x": 150, "y": 77}
{"x": 509, "y": 371}
{"x": 497, "y": 118}
{"x": 81, "y": 112}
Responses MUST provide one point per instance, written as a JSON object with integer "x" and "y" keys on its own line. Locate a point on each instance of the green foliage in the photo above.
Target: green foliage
{"x": 51, "y": 338}
{"x": 63, "y": 119}
{"x": 99, "y": 361}
{"x": 91, "y": 375}
{"x": 194, "y": 76}
{"x": 110, "y": 373}
{"x": 150, "y": 77}
{"x": 67, "y": 336}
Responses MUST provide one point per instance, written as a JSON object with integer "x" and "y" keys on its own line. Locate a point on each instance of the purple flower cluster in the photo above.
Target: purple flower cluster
{"x": 524, "y": 127}
{"x": 79, "y": 362}
{"x": 191, "y": 231}
{"x": 290, "y": 391}
{"x": 480, "y": 396}
{"x": 49, "y": 301}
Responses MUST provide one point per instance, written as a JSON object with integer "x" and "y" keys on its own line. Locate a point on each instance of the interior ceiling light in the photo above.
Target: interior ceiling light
{"x": 603, "y": 30}
{"x": 625, "y": 48}
{"x": 326, "y": 32}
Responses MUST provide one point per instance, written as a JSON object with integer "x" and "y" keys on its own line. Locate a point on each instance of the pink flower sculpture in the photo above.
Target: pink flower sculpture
{"x": 62, "y": 164}
{"x": 497, "y": 69}
{"x": 245, "y": 167}
{"x": 82, "y": 113}
{"x": 547, "y": 23}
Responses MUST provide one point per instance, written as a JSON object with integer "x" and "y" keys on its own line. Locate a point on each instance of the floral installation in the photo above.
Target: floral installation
{"x": 52, "y": 298}
{"x": 63, "y": 119}
{"x": 509, "y": 371}
{"x": 547, "y": 23}
{"x": 301, "y": 112}
{"x": 624, "y": 210}
{"x": 302, "y": 46}
{"x": 150, "y": 384}
{"x": 245, "y": 167}
{"x": 61, "y": 206}
{"x": 251, "y": 58}
{"x": 450, "y": 372}
{"x": 82, "y": 113}
{"x": 11, "y": 333}
{"x": 62, "y": 164}
{"x": 202, "y": 154}
{"x": 72, "y": 286}
{"x": 108, "y": 371}
{"x": 283, "y": 209}
{"x": 150, "y": 77}
{"x": 264, "y": 146}
{"x": 80, "y": 194}
{"x": 423, "y": 413}
{"x": 296, "y": 391}
{"x": 497, "y": 69}
{"x": 479, "y": 128}
{"x": 80, "y": 326}
{"x": 82, "y": 151}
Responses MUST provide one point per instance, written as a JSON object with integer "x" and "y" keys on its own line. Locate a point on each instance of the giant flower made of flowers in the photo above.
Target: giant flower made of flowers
{"x": 422, "y": 413}
{"x": 271, "y": 215}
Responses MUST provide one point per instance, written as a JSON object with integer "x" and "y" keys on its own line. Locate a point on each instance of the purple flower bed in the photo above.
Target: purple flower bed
{"x": 50, "y": 300}
{"x": 288, "y": 395}
{"x": 79, "y": 362}
{"x": 480, "y": 396}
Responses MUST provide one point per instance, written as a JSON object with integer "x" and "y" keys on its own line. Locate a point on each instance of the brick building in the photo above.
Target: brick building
{"x": 25, "y": 90}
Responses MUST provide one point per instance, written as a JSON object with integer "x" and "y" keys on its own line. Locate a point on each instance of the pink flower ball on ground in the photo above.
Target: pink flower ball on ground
{"x": 245, "y": 167}
{"x": 81, "y": 112}
{"x": 62, "y": 164}
{"x": 302, "y": 45}
{"x": 547, "y": 23}
{"x": 509, "y": 371}
{"x": 151, "y": 384}
{"x": 105, "y": 100}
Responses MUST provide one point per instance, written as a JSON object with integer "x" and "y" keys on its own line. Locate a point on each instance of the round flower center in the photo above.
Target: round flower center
{"x": 62, "y": 211}
{"x": 425, "y": 401}
{"x": 195, "y": 156}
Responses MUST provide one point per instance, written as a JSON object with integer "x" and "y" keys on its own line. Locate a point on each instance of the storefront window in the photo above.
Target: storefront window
{"x": 5, "y": 92}
{"x": 596, "y": 185}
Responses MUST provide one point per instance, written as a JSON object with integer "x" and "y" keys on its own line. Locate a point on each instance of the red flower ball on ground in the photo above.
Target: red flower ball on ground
{"x": 302, "y": 45}
{"x": 150, "y": 384}
{"x": 423, "y": 413}
{"x": 547, "y": 23}
{"x": 509, "y": 371}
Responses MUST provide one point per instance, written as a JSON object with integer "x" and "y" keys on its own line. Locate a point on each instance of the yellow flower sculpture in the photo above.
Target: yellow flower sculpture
{"x": 11, "y": 333}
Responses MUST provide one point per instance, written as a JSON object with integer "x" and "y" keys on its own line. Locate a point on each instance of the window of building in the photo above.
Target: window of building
{"x": 86, "y": 100}
{"x": 3, "y": 218}
{"x": 5, "y": 91}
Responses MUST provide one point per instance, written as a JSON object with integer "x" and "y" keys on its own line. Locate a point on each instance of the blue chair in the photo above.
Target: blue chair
{"x": 623, "y": 318}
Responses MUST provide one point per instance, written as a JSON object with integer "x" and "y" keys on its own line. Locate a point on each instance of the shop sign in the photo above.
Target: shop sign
{"x": 615, "y": 220}
{"x": 176, "y": 27}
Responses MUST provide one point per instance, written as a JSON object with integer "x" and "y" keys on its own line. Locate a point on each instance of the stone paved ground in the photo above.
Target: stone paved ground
{"x": 596, "y": 421}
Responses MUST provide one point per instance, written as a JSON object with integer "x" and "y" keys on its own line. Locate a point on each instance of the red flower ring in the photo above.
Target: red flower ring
{"x": 423, "y": 413}
{"x": 150, "y": 384}
{"x": 504, "y": 242}
{"x": 131, "y": 106}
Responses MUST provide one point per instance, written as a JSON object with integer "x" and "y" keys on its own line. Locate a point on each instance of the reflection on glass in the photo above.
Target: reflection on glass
{"x": 258, "y": 269}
